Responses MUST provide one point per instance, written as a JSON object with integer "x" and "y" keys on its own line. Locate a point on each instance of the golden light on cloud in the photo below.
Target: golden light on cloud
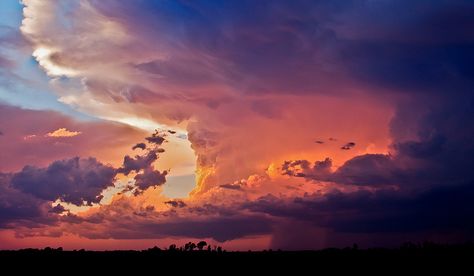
{"x": 194, "y": 122}
{"x": 43, "y": 56}
{"x": 62, "y": 132}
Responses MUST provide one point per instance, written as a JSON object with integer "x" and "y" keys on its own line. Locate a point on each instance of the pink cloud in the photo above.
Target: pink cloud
{"x": 24, "y": 141}
{"x": 252, "y": 92}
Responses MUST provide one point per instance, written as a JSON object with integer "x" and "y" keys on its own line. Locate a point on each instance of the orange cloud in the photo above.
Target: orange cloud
{"x": 245, "y": 107}
{"x": 62, "y": 132}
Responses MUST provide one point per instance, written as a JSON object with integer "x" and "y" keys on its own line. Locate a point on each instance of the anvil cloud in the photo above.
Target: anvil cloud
{"x": 351, "y": 119}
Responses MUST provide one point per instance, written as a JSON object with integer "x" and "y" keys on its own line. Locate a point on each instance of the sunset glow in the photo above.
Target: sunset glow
{"x": 249, "y": 124}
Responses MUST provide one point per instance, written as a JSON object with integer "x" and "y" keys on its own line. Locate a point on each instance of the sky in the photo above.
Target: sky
{"x": 249, "y": 124}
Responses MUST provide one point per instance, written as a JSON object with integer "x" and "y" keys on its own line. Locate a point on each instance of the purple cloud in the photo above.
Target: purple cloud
{"x": 77, "y": 181}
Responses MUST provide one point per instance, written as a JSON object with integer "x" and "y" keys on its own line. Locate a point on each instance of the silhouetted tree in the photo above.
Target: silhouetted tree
{"x": 155, "y": 249}
{"x": 172, "y": 247}
{"x": 201, "y": 245}
{"x": 190, "y": 246}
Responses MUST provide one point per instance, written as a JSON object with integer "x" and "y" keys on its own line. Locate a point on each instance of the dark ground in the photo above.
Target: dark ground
{"x": 427, "y": 257}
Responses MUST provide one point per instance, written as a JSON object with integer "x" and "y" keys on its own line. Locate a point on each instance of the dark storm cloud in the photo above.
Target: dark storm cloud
{"x": 440, "y": 209}
{"x": 176, "y": 203}
{"x": 58, "y": 209}
{"x": 420, "y": 51}
{"x": 256, "y": 38}
{"x": 75, "y": 180}
{"x": 368, "y": 169}
{"x": 146, "y": 176}
{"x": 218, "y": 228}
{"x": 348, "y": 146}
{"x": 430, "y": 169}
{"x": 442, "y": 152}
{"x": 137, "y": 163}
{"x": 139, "y": 146}
{"x": 149, "y": 178}
{"x": 156, "y": 138}
{"x": 425, "y": 149}
{"x": 17, "y": 206}
{"x": 432, "y": 146}
{"x": 415, "y": 47}
{"x": 303, "y": 168}
{"x": 26, "y": 196}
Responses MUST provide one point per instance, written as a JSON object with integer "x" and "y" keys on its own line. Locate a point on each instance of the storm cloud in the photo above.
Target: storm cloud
{"x": 78, "y": 181}
{"x": 257, "y": 88}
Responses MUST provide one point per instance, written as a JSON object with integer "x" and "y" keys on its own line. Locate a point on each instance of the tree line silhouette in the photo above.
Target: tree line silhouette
{"x": 204, "y": 247}
{"x": 195, "y": 254}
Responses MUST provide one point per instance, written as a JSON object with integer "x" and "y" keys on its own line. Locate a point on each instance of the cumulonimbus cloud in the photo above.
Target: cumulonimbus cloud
{"x": 253, "y": 90}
